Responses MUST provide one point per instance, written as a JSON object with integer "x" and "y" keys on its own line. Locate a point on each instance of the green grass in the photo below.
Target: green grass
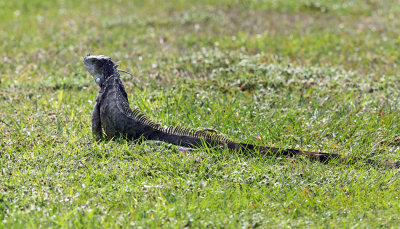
{"x": 309, "y": 74}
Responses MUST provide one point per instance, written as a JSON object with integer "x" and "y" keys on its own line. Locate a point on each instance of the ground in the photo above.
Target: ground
{"x": 310, "y": 74}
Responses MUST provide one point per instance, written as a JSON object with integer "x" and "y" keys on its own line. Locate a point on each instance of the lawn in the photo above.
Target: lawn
{"x": 317, "y": 75}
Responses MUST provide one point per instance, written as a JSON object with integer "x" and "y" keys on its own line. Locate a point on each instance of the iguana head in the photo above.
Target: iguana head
{"x": 100, "y": 67}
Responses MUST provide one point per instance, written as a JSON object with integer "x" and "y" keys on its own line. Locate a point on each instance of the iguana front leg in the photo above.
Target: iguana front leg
{"x": 96, "y": 123}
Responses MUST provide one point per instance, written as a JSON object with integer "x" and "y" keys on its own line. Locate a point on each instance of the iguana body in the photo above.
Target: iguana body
{"x": 112, "y": 114}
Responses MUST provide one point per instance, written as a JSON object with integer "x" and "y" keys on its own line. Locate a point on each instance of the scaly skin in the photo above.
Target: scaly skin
{"x": 113, "y": 115}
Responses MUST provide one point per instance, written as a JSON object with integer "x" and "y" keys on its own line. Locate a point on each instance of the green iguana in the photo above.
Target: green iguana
{"x": 112, "y": 114}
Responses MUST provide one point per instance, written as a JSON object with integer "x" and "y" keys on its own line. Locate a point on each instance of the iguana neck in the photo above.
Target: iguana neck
{"x": 108, "y": 78}
{"x": 114, "y": 80}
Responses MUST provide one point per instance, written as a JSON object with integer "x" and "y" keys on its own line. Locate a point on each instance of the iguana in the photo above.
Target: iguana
{"x": 112, "y": 114}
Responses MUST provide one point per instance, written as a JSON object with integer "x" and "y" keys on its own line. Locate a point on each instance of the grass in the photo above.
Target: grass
{"x": 310, "y": 74}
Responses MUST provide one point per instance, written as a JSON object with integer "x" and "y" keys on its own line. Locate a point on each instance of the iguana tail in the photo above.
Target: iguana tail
{"x": 194, "y": 141}
{"x": 318, "y": 156}
{"x": 188, "y": 137}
